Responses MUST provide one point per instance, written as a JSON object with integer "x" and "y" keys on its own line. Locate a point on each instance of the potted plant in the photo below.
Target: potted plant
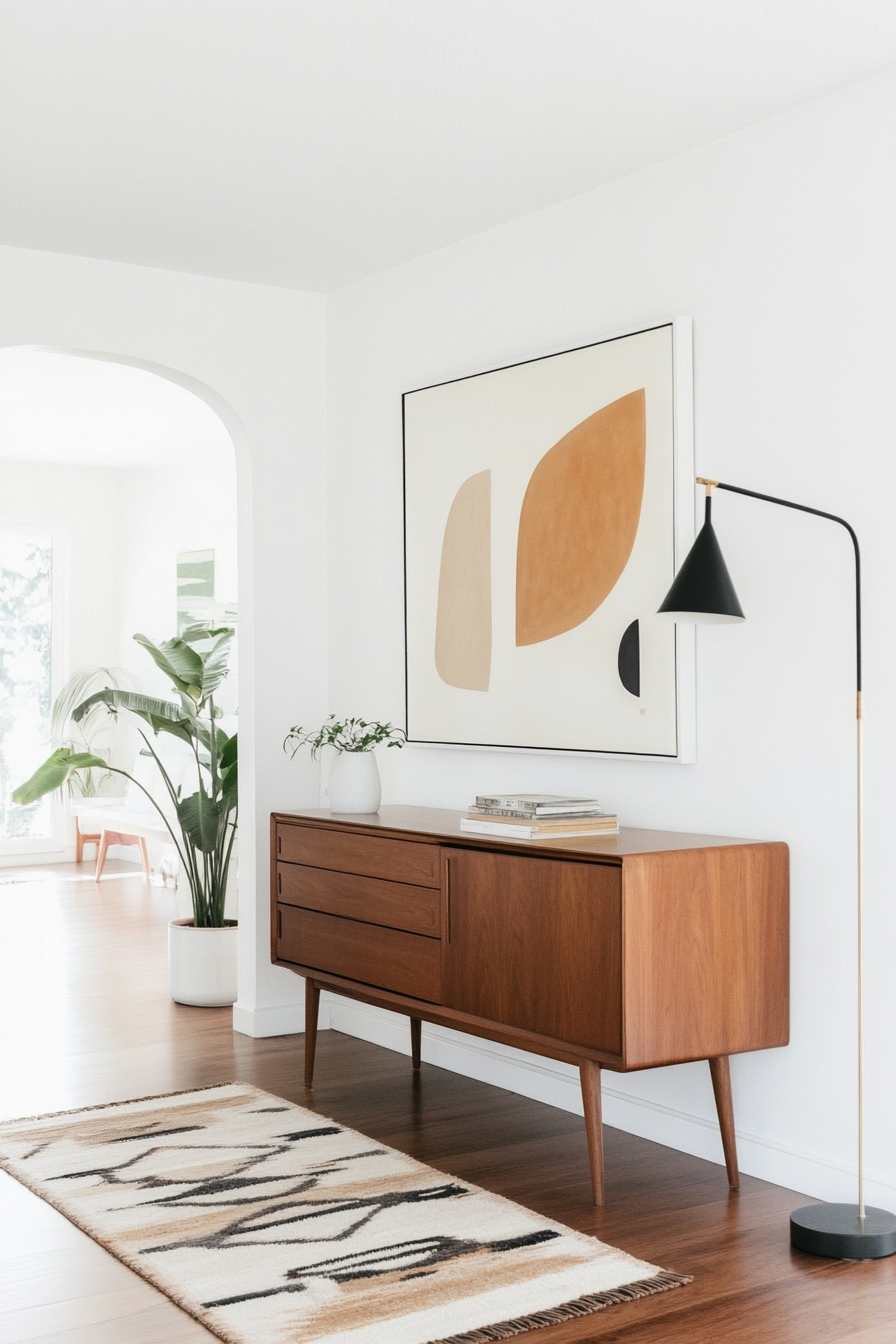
{"x": 202, "y": 825}
{"x": 354, "y": 783}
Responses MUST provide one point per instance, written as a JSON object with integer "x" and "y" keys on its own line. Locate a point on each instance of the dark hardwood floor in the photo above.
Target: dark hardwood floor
{"x": 86, "y": 1019}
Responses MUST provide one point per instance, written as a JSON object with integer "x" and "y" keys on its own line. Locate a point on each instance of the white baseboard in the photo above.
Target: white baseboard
{"x": 557, "y": 1084}
{"x": 284, "y": 1019}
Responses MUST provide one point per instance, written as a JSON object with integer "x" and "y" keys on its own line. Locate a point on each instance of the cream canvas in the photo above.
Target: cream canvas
{"x": 540, "y": 526}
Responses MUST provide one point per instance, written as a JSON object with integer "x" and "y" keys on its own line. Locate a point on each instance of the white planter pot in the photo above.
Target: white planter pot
{"x": 354, "y": 783}
{"x": 202, "y": 964}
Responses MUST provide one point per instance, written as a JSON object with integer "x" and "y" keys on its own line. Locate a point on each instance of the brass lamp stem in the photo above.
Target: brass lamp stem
{"x": 861, "y": 961}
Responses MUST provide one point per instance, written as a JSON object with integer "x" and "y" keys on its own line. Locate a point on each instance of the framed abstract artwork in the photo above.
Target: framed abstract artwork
{"x": 545, "y": 506}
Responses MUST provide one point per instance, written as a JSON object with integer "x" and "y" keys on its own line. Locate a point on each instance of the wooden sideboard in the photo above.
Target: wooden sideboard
{"x": 621, "y": 952}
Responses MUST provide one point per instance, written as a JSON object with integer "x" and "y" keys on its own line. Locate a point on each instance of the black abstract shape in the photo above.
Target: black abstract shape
{"x": 310, "y": 1133}
{"x": 629, "y": 660}
{"x": 417, "y": 1255}
{"x": 155, "y": 1134}
{"x": 292, "y": 1210}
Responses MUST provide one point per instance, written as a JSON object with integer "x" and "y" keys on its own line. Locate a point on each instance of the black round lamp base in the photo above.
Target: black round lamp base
{"x": 836, "y": 1231}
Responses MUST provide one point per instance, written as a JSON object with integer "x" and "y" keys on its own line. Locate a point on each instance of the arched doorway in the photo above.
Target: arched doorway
{"x": 110, "y": 469}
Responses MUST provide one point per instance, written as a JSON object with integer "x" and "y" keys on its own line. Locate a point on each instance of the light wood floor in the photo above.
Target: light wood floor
{"x": 86, "y": 1019}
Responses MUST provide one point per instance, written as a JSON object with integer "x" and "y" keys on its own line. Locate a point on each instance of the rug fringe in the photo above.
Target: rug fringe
{"x": 567, "y": 1311}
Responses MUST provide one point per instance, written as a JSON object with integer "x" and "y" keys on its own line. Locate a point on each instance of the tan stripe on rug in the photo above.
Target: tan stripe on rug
{"x": 270, "y": 1224}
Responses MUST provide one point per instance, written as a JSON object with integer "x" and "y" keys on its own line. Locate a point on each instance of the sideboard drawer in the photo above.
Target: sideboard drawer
{"x": 394, "y": 904}
{"x": 403, "y": 962}
{"x": 366, "y": 855}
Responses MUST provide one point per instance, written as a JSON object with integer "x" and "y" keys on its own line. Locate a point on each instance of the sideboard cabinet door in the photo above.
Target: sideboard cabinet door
{"x": 535, "y": 943}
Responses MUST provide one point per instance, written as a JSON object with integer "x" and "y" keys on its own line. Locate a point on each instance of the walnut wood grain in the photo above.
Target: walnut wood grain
{"x": 434, "y": 825}
{"x": 536, "y": 943}
{"x": 589, "y": 1074}
{"x": 381, "y": 957}
{"x": 548, "y": 1046}
{"x": 373, "y": 900}
{"x": 312, "y": 1005}
{"x": 720, "y": 1073}
{"x": 706, "y": 967}
{"x": 356, "y": 852}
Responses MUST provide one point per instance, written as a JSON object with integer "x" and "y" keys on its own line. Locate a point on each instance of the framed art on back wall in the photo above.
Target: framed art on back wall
{"x": 546, "y": 503}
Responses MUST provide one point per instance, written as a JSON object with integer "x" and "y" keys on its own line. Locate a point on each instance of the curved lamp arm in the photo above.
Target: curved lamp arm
{"x": 833, "y": 518}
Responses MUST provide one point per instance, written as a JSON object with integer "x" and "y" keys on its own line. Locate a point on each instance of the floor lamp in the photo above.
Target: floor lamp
{"x": 703, "y": 592}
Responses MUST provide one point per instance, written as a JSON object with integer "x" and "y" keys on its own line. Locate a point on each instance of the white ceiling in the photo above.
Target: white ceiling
{"x": 91, "y": 412}
{"x": 308, "y": 143}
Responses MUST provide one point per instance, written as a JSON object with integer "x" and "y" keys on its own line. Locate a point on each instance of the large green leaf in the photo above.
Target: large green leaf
{"x": 215, "y": 663}
{"x": 229, "y": 785}
{"x": 161, "y": 715}
{"x": 199, "y": 817}
{"x": 178, "y": 661}
{"x": 195, "y": 673}
{"x": 195, "y": 634}
{"x": 228, "y": 750}
{"x": 53, "y": 774}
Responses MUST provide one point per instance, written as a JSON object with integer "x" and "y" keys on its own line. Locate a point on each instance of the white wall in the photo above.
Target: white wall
{"x": 779, "y": 243}
{"x": 165, "y": 511}
{"x": 257, "y": 355}
{"x": 84, "y": 505}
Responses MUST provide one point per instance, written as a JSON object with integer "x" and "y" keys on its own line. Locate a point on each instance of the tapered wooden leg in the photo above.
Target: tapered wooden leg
{"x": 144, "y": 858}
{"x": 312, "y": 1002}
{"x": 105, "y": 840}
{"x": 416, "y": 1024}
{"x": 721, "y": 1086}
{"x": 590, "y": 1076}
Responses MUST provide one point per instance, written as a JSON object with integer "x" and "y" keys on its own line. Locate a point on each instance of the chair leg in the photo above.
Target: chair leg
{"x": 107, "y": 838}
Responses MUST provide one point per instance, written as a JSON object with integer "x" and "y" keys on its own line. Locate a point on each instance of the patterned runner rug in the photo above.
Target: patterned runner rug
{"x": 270, "y": 1224}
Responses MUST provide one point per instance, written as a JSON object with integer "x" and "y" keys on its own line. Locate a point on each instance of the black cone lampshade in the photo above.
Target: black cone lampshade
{"x": 703, "y": 590}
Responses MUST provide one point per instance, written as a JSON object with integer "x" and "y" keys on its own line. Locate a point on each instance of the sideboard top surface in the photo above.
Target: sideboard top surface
{"x": 443, "y": 825}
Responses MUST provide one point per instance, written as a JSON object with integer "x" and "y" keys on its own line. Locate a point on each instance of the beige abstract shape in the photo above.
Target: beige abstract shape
{"x": 579, "y": 520}
{"x": 464, "y": 616}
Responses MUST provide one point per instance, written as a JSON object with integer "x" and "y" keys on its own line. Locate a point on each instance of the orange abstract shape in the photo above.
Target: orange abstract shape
{"x": 579, "y": 520}
{"x": 464, "y": 615}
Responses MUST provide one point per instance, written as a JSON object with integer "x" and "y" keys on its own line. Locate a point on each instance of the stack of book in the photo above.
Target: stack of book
{"x": 531, "y": 816}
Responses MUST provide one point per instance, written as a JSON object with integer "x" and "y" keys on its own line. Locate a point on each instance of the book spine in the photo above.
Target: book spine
{"x": 515, "y": 805}
{"x": 593, "y": 814}
{"x": 476, "y": 827}
{"x": 536, "y": 810}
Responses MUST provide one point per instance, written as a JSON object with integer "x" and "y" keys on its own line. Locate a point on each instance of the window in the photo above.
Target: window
{"x": 26, "y": 684}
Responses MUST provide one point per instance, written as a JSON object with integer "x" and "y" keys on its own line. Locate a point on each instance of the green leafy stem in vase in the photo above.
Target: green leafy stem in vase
{"x": 343, "y": 735}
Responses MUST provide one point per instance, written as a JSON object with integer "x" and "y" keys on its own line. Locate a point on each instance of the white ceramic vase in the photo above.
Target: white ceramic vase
{"x": 202, "y": 964}
{"x": 354, "y": 783}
